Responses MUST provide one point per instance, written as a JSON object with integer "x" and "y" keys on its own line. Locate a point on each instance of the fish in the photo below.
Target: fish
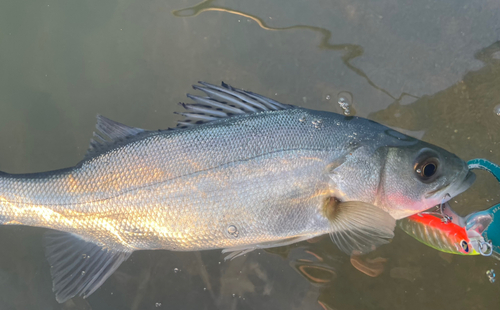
{"x": 239, "y": 172}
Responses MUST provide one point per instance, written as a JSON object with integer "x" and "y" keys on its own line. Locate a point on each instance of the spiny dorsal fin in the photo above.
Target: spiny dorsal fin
{"x": 224, "y": 101}
{"x": 109, "y": 133}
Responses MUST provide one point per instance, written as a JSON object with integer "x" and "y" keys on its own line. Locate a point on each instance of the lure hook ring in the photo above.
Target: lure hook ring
{"x": 488, "y": 245}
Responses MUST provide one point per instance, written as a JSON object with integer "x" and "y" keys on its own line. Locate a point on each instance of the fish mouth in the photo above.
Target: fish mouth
{"x": 451, "y": 190}
{"x": 466, "y": 183}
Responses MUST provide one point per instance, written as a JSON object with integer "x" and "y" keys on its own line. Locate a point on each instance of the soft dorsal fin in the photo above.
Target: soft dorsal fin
{"x": 224, "y": 101}
{"x": 108, "y": 133}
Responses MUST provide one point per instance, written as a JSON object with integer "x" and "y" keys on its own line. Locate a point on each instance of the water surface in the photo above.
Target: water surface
{"x": 430, "y": 69}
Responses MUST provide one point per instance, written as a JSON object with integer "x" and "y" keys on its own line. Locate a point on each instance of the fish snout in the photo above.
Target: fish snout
{"x": 460, "y": 187}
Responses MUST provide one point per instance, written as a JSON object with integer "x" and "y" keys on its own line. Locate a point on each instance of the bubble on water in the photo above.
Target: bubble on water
{"x": 84, "y": 256}
{"x": 327, "y": 97}
{"x": 234, "y": 295}
{"x": 158, "y": 304}
{"x": 302, "y": 119}
{"x": 232, "y": 230}
{"x": 491, "y": 275}
{"x": 83, "y": 272}
{"x": 344, "y": 99}
{"x": 497, "y": 109}
{"x": 176, "y": 270}
{"x": 204, "y": 288}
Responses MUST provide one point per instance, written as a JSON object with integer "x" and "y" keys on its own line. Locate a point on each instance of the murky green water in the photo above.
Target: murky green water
{"x": 430, "y": 68}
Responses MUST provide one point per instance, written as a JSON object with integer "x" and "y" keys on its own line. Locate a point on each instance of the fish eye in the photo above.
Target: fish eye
{"x": 465, "y": 246}
{"x": 427, "y": 169}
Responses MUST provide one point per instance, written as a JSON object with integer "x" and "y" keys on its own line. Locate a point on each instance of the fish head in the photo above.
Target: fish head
{"x": 417, "y": 177}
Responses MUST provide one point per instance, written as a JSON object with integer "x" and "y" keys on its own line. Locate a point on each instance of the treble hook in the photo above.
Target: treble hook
{"x": 445, "y": 218}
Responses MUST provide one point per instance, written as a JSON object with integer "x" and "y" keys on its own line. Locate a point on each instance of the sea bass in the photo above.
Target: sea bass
{"x": 240, "y": 172}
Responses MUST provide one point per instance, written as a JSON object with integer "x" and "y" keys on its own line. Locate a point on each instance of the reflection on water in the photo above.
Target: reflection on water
{"x": 64, "y": 62}
{"x": 351, "y": 51}
{"x": 462, "y": 115}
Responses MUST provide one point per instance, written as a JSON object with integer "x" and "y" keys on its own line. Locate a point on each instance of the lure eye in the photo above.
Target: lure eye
{"x": 465, "y": 246}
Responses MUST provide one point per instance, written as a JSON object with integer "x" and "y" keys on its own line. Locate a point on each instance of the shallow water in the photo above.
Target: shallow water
{"x": 430, "y": 69}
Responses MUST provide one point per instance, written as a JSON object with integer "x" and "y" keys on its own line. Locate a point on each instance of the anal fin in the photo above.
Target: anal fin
{"x": 79, "y": 267}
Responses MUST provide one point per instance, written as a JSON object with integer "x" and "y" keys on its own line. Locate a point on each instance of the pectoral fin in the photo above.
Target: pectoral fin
{"x": 79, "y": 267}
{"x": 358, "y": 227}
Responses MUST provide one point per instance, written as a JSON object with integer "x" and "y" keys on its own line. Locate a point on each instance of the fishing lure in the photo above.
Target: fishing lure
{"x": 439, "y": 233}
{"x": 446, "y": 231}
{"x": 483, "y": 222}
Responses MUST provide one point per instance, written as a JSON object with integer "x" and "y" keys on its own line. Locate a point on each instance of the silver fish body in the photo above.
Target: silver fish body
{"x": 264, "y": 174}
{"x": 257, "y": 178}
